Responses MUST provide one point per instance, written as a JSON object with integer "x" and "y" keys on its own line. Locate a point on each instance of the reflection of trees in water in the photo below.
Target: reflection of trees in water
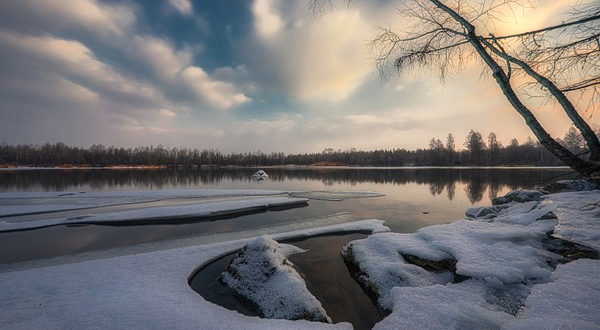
{"x": 451, "y": 190}
{"x": 476, "y": 181}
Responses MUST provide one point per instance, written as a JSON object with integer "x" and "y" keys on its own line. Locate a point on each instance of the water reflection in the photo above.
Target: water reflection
{"x": 475, "y": 181}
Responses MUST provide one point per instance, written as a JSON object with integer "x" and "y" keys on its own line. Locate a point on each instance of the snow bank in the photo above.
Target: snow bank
{"x": 497, "y": 253}
{"x": 190, "y": 211}
{"x": 454, "y": 306}
{"x": 335, "y": 196}
{"x": 570, "y": 301}
{"x": 261, "y": 273}
{"x": 144, "y": 290}
{"x": 494, "y": 262}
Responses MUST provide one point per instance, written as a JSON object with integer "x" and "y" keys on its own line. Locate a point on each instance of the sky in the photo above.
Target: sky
{"x": 235, "y": 75}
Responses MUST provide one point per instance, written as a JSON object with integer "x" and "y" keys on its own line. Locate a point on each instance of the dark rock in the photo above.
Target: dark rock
{"x": 569, "y": 250}
{"x": 570, "y": 185}
{"x": 520, "y": 196}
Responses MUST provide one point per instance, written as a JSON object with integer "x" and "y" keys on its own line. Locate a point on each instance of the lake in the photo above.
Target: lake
{"x": 414, "y": 198}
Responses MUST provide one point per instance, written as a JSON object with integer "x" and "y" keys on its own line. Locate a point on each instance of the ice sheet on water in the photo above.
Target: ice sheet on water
{"x": 335, "y": 195}
{"x": 161, "y": 213}
{"x": 15, "y": 203}
{"x": 262, "y": 273}
{"x": 146, "y": 290}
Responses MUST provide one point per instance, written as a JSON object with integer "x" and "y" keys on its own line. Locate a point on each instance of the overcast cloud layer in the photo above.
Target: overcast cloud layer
{"x": 235, "y": 75}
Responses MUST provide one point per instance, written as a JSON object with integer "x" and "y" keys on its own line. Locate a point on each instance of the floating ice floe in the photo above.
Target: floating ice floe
{"x": 177, "y": 212}
{"x": 262, "y": 274}
{"x": 335, "y": 195}
{"x": 19, "y": 203}
{"x": 140, "y": 288}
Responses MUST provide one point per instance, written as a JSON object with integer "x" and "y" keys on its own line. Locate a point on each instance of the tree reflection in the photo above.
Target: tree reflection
{"x": 475, "y": 180}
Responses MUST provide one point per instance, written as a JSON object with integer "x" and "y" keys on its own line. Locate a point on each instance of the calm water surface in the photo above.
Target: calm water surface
{"x": 415, "y": 197}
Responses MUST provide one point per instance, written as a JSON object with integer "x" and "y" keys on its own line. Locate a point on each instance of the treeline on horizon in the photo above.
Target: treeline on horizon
{"x": 478, "y": 152}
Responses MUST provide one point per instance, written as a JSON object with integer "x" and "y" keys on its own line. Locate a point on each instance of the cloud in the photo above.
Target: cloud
{"x": 98, "y": 19}
{"x": 307, "y": 58}
{"x": 184, "y": 7}
{"x": 267, "y": 21}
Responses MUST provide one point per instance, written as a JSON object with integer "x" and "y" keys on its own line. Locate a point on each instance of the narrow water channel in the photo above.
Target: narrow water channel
{"x": 324, "y": 272}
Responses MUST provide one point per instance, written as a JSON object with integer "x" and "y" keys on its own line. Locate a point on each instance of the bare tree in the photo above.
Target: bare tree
{"x": 559, "y": 60}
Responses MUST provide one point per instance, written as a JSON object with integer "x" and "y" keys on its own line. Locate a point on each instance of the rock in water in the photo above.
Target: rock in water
{"x": 262, "y": 274}
{"x": 260, "y": 175}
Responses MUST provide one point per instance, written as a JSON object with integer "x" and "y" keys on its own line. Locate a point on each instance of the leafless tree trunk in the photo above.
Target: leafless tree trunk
{"x": 560, "y": 59}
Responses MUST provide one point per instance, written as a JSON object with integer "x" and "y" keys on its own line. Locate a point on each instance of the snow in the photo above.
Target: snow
{"x": 578, "y": 216}
{"x": 502, "y": 257}
{"x": 519, "y": 196}
{"x": 21, "y": 203}
{"x": 261, "y": 273}
{"x": 570, "y": 301}
{"x": 496, "y": 252}
{"x": 189, "y": 211}
{"x": 141, "y": 290}
{"x": 15, "y": 203}
{"x": 454, "y": 306}
{"x": 260, "y": 175}
{"x": 335, "y": 195}
{"x": 570, "y": 186}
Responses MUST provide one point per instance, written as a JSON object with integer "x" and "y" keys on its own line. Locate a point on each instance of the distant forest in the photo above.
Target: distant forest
{"x": 477, "y": 152}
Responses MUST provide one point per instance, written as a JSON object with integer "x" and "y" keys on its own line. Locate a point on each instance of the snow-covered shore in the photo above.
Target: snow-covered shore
{"x": 146, "y": 290}
{"x": 500, "y": 269}
{"x": 495, "y": 270}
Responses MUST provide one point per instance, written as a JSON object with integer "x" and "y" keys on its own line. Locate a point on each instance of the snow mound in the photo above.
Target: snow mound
{"x": 335, "y": 196}
{"x": 570, "y": 186}
{"x": 162, "y": 213}
{"x": 518, "y": 196}
{"x": 454, "y": 306}
{"x": 261, "y": 273}
{"x": 571, "y": 301}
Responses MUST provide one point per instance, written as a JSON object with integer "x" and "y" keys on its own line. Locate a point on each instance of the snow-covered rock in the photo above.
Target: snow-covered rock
{"x": 519, "y": 196}
{"x": 498, "y": 253}
{"x": 570, "y": 186}
{"x": 262, "y": 274}
{"x": 260, "y": 175}
{"x": 485, "y": 212}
